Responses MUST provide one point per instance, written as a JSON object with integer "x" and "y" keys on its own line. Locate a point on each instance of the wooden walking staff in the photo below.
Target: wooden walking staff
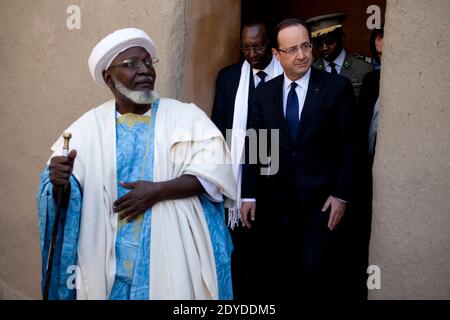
{"x": 48, "y": 270}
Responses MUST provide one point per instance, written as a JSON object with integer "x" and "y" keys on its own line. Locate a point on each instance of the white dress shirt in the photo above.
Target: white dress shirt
{"x": 268, "y": 70}
{"x": 339, "y": 61}
{"x": 301, "y": 89}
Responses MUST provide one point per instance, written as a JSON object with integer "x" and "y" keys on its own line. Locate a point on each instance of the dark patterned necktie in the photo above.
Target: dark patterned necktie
{"x": 333, "y": 68}
{"x": 262, "y": 75}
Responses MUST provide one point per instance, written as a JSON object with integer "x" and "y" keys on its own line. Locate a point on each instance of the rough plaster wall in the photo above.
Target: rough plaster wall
{"x": 411, "y": 222}
{"x": 46, "y": 85}
{"x": 212, "y": 42}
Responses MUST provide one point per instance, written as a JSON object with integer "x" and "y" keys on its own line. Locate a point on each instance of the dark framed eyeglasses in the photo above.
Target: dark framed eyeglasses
{"x": 248, "y": 49}
{"x": 135, "y": 63}
{"x": 305, "y": 47}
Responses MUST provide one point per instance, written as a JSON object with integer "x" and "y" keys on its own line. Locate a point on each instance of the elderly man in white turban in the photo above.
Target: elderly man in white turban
{"x": 143, "y": 190}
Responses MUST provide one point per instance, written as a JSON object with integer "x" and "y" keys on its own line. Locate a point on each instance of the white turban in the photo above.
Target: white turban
{"x": 114, "y": 44}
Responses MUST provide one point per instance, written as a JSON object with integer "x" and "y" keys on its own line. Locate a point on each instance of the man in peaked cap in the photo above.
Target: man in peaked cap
{"x": 328, "y": 36}
{"x": 143, "y": 189}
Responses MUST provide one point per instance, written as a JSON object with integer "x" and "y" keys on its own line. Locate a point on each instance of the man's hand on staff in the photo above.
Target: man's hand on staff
{"x": 60, "y": 169}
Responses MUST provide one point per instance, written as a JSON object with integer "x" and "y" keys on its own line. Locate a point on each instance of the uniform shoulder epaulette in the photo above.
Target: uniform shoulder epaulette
{"x": 316, "y": 63}
{"x": 363, "y": 58}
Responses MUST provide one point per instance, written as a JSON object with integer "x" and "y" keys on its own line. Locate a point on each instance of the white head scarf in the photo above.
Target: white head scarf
{"x": 114, "y": 44}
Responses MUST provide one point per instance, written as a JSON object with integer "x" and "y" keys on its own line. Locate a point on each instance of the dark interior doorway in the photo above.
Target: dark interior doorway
{"x": 356, "y": 31}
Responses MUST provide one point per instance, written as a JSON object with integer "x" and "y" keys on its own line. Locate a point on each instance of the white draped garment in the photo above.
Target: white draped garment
{"x": 182, "y": 262}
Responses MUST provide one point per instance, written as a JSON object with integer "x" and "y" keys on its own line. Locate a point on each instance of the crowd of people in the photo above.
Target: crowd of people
{"x": 151, "y": 207}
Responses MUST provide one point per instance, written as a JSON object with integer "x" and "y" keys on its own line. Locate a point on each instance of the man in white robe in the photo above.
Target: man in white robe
{"x": 159, "y": 234}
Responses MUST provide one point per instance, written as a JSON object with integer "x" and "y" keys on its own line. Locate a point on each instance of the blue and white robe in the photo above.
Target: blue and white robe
{"x": 119, "y": 253}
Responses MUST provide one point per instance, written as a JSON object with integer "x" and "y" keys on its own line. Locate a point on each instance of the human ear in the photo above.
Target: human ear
{"x": 276, "y": 54}
{"x": 107, "y": 77}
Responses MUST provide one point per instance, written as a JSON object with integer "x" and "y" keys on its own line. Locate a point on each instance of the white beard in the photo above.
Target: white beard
{"x": 138, "y": 97}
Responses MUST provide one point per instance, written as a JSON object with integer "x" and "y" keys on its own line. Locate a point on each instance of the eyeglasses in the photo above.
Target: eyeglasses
{"x": 248, "y": 49}
{"x": 135, "y": 63}
{"x": 305, "y": 47}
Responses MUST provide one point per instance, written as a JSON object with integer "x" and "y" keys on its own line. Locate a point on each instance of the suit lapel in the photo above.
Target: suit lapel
{"x": 312, "y": 96}
{"x": 251, "y": 88}
{"x": 231, "y": 95}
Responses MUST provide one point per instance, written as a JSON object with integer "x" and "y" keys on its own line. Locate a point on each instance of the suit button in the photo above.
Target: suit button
{"x": 294, "y": 153}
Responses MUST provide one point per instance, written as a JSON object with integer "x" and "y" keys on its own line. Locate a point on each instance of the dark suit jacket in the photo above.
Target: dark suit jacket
{"x": 369, "y": 94}
{"x": 321, "y": 160}
{"x": 227, "y": 84}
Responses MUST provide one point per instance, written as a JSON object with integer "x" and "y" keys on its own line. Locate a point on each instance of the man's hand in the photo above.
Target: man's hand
{"x": 337, "y": 211}
{"x": 60, "y": 170}
{"x": 143, "y": 196}
{"x": 248, "y": 212}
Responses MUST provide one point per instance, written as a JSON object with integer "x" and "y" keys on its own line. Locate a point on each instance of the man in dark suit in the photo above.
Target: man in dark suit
{"x": 235, "y": 87}
{"x": 256, "y": 48}
{"x": 299, "y": 206}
